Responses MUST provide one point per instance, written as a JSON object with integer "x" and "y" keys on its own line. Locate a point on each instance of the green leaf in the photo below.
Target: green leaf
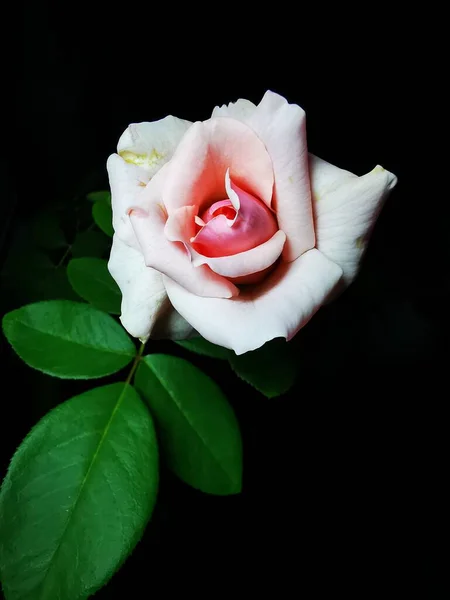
{"x": 47, "y": 232}
{"x": 202, "y": 346}
{"x": 91, "y": 280}
{"x": 197, "y": 427}
{"x": 77, "y": 496}
{"x": 68, "y": 339}
{"x": 271, "y": 369}
{"x": 90, "y": 243}
{"x": 102, "y": 215}
{"x": 103, "y": 196}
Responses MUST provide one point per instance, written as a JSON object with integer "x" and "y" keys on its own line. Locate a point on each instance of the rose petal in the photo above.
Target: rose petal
{"x": 244, "y": 263}
{"x": 282, "y": 128}
{"x": 143, "y": 291}
{"x": 346, "y": 208}
{"x": 203, "y": 156}
{"x": 233, "y": 196}
{"x": 127, "y": 183}
{"x": 241, "y": 109}
{"x": 278, "y": 307}
{"x": 169, "y": 257}
{"x": 151, "y": 145}
{"x": 325, "y": 177}
{"x": 180, "y": 225}
{"x": 217, "y": 209}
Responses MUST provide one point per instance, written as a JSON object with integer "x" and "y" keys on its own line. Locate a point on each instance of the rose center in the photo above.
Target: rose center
{"x": 233, "y": 225}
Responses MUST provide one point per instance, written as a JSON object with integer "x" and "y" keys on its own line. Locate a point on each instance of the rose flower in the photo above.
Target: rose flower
{"x": 229, "y": 228}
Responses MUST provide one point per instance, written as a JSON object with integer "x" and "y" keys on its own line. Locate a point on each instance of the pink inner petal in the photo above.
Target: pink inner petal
{"x": 246, "y": 264}
{"x": 222, "y": 207}
{"x": 181, "y": 225}
{"x": 253, "y": 278}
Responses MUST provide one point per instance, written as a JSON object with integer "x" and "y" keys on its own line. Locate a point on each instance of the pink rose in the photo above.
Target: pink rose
{"x": 229, "y": 228}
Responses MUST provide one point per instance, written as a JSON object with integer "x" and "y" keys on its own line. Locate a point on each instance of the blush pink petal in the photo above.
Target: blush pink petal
{"x": 180, "y": 225}
{"x": 209, "y": 214}
{"x": 253, "y": 278}
{"x": 253, "y": 225}
{"x": 278, "y": 307}
{"x": 282, "y": 128}
{"x": 203, "y": 156}
{"x": 346, "y": 208}
{"x": 245, "y": 263}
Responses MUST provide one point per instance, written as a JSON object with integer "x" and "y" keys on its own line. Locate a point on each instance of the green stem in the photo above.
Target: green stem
{"x": 64, "y": 256}
{"x": 69, "y": 248}
{"x": 137, "y": 358}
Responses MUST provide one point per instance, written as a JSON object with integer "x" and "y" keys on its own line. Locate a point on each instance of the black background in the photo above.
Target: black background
{"x": 343, "y": 487}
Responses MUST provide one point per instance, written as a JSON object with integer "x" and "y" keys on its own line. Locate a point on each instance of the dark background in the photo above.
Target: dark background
{"x": 343, "y": 487}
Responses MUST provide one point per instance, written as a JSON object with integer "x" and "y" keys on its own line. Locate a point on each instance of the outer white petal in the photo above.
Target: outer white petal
{"x": 127, "y": 183}
{"x": 145, "y": 306}
{"x": 151, "y": 145}
{"x": 346, "y": 208}
{"x": 278, "y": 307}
{"x": 326, "y": 177}
{"x": 241, "y": 110}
